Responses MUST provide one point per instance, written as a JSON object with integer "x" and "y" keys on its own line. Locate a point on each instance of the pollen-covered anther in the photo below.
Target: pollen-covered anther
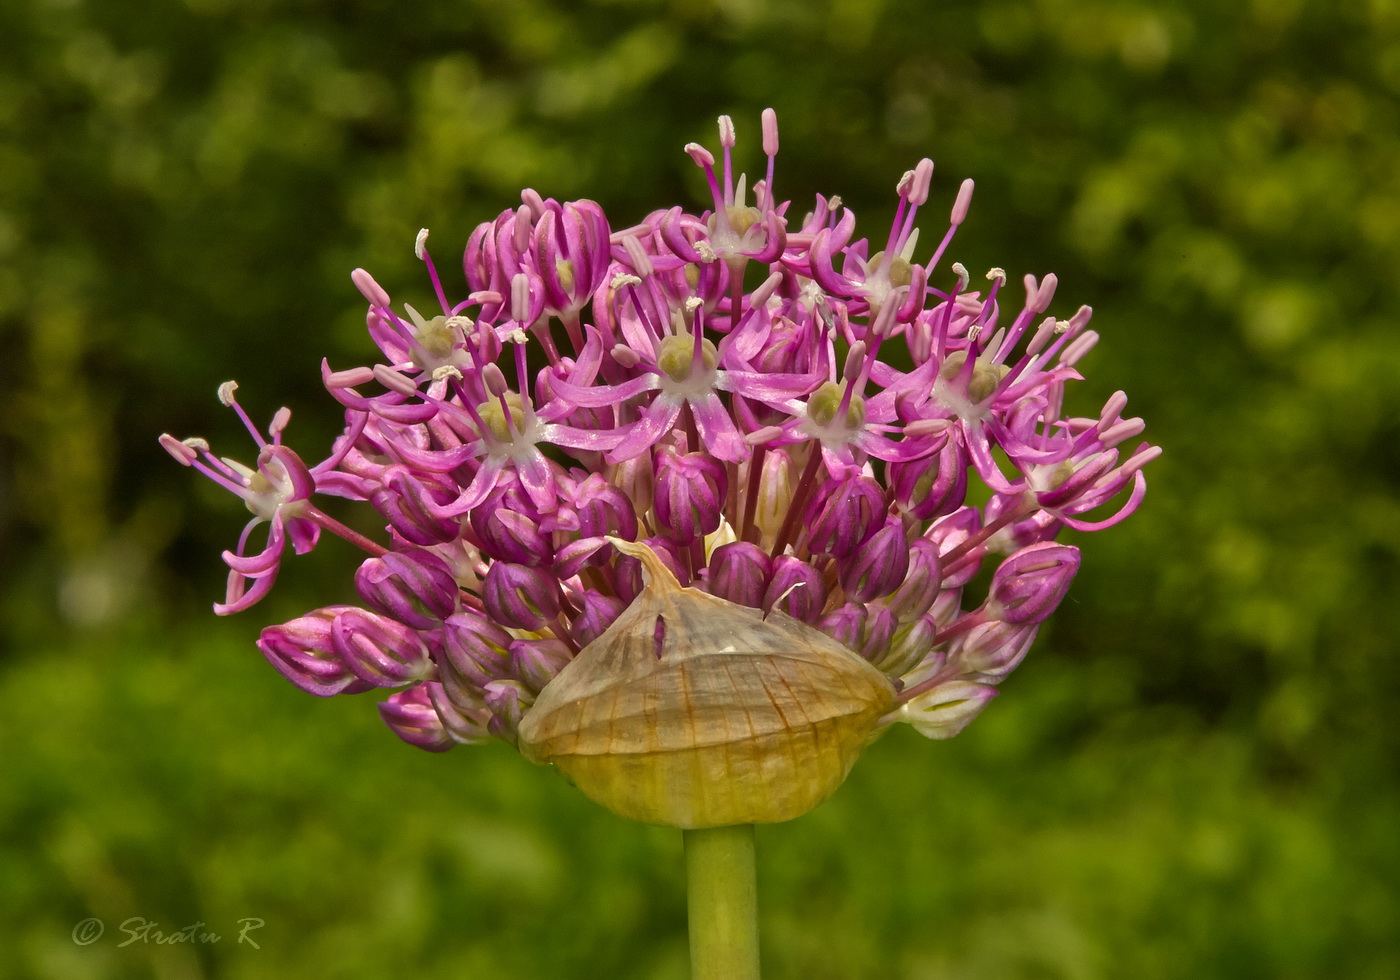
{"x": 997, "y": 274}
{"x": 964, "y": 277}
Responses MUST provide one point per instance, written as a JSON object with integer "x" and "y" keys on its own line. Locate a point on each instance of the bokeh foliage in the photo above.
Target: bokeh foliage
{"x": 1194, "y": 774}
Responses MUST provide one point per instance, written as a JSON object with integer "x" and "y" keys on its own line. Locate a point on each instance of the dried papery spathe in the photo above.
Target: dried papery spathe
{"x": 693, "y": 711}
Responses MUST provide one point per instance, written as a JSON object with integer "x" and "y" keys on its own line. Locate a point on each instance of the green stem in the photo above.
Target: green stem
{"x": 723, "y": 899}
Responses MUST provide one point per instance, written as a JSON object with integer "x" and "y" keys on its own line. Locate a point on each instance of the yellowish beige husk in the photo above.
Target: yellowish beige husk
{"x": 737, "y": 718}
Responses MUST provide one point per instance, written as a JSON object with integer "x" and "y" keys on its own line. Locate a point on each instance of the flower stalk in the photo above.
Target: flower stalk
{"x": 722, "y": 900}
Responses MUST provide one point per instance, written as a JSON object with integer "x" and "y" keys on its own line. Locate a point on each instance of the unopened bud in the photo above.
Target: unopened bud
{"x": 992, "y": 650}
{"x": 690, "y": 495}
{"x": 796, "y": 588}
{"x": 538, "y": 661}
{"x": 598, "y": 612}
{"x": 475, "y": 653}
{"x": 1030, "y": 584}
{"x": 740, "y": 573}
{"x": 916, "y": 594}
{"x": 379, "y": 650}
{"x": 843, "y": 514}
{"x": 303, "y": 651}
{"x": 414, "y": 587}
{"x": 411, "y": 716}
{"x": 947, "y": 709}
{"x": 520, "y": 596}
{"x": 878, "y": 566}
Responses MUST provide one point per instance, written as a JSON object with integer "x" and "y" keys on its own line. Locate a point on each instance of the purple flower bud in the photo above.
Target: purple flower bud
{"x": 796, "y": 588}
{"x": 415, "y": 587}
{"x": 845, "y": 625}
{"x": 916, "y": 594}
{"x": 690, "y": 494}
{"x": 604, "y": 509}
{"x": 380, "y": 651}
{"x": 992, "y": 650}
{"x": 475, "y": 652}
{"x": 578, "y": 555}
{"x": 520, "y": 596}
{"x": 932, "y": 486}
{"x": 407, "y": 503}
{"x": 571, "y": 252}
{"x": 509, "y": 535}
{"x": 843, "y": 514}
{"x": 507, "y": 701}
{"x": 947, "y": 709}
{"x": 739, "y": 572}
{"x": 879, "y": 566}
{"x": 411, "y": 716}
{"x": 466, "y": 726}
{"x": 1030, "y": 584}
{"x": 596, "y": 614}
{"x": 537, "y": 661}
{"x": 878, "y": 634}
{"x": 304, "y": 653}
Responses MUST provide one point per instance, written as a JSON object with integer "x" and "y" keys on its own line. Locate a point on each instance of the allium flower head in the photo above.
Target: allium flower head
{"x": 583, "y": 396}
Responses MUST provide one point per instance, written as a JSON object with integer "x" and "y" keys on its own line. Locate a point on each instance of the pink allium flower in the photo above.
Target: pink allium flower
{"x": 805, "y": 445}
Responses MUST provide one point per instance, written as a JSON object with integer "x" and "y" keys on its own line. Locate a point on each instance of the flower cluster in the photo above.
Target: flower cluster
{"x": 805, "y": 444}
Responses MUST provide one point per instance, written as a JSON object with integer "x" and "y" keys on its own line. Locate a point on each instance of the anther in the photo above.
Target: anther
{"x": 183, "y": 451}
{"x": 854, "y": 361}
{"x": 961, "y": 272}
{"x": 962, "y": 203}
{"x": 726, "y": 132}
{"x": 280, "y": 418}
{"x": 373, "y": 293}
{"x": 394, "y": 380}
{"x": 770, "y": 133}
{"x": 700, "y": 155}
{"x": 641, "y": 262}
{"x": 923, "y": 175}
{"x": 1046, "y": 292}
{"x": 494, "y": 380}
{"x": 766, "y": 434}
{"x": 625, "y": 356}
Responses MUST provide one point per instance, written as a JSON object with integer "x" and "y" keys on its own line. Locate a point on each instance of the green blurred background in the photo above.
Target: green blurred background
{"x": 1193, "y": 775}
